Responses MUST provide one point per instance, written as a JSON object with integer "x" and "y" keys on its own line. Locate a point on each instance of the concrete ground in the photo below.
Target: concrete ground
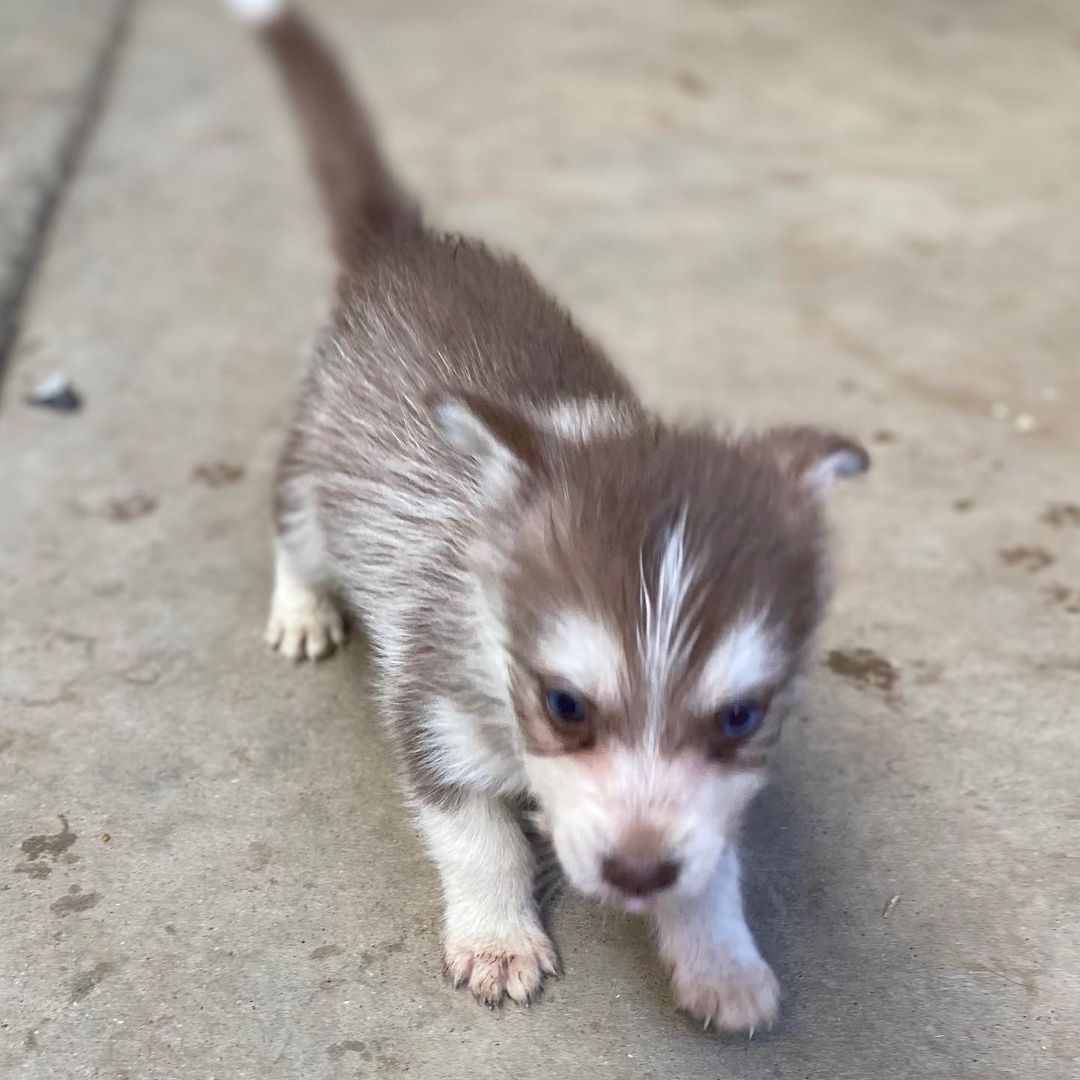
{"x": 858, "y": 213}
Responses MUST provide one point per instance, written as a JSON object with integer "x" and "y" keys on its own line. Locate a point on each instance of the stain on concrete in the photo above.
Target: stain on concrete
{"x": 691, "y": 83}
{"x": 261, "y": 854}
{"x": 1065, "y": 598}
{"x": 37, "y": 871}
{"x": 1026, "y": 557}
{"x": 74, "y": 903}
{"x": 169, "y": 928}
{"x": 88, "y": 981}
{"x": 1060, "y": 515}
{"x": 962, "y": 506}
{"x": 1024, "y": 977}
{"x": 354, "y": 1046}
{"x": 130, "y": 507}
{"x": 7, "y": 740}
{"x": 53, "y": 845}
{"x": 30, "y": 1043}
{"x": 927, "y": 672}
{"x": 218, "y": 473}
{"x": 864, "y": 667}
{"x": 146, "y": 672}
{"x": 884, "y": 437}
{"x": 324, "y": 951}
{"x": 85, "y": 642}
{"x": 67, "y": 694}
{"x": 372, "y": 1051}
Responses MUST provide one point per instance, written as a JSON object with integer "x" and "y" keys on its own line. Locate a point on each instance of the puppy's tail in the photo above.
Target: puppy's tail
{"x": 360, "y": 195}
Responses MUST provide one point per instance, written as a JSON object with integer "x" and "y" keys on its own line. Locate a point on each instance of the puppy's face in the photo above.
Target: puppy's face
{"x": 660, "y": 603}
{"x": 660, "y": 590}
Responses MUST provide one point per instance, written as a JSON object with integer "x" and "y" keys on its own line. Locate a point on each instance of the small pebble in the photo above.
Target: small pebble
{"x": 56, "y": 391}
{"x": 1024, "y": 423}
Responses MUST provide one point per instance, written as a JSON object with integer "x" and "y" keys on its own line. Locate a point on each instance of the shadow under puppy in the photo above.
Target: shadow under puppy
{"x": 567, "y": 598}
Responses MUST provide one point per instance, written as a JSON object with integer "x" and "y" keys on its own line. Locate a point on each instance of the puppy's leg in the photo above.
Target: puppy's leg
{"x": 494, "y": 942}
{"x": 304, "y": 621}
{"x": 717, "y": 972}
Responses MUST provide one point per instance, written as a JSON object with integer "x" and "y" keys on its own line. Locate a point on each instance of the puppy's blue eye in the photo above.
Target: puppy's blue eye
{"x": 564, "y": 706}
{"x": 741, "y": 718}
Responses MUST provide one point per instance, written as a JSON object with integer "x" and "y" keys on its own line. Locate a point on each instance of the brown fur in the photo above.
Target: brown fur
{"x": 424, "y": 316}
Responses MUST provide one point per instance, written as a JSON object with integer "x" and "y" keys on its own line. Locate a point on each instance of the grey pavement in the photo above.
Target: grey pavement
{"x": 849, "y": 212}
{"x": 55, "y": 59}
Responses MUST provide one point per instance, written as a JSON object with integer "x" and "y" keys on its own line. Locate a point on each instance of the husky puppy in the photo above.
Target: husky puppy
{"x": 569, "y": 601}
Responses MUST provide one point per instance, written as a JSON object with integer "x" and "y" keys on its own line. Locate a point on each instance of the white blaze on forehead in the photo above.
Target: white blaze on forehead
{"x": 665, "y": 638}
{"x": 747, "y": 658}
{"x": 585, "y": 652}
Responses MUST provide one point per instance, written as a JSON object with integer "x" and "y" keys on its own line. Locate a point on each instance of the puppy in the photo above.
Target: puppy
{"x": 570, "y": 602}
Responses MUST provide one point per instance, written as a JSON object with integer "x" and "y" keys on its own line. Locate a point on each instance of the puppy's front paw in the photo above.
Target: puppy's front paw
{"x": 513, "y": 967}
{"x": 302, "y": 627}
{"x": 734, "y": 997}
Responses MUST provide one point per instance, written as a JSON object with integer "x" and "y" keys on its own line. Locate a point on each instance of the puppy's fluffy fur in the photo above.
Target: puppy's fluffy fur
{"x": 569, "y": 601}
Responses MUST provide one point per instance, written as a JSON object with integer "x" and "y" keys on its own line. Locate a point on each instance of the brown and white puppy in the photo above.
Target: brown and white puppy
{"x": 569, "y": 601}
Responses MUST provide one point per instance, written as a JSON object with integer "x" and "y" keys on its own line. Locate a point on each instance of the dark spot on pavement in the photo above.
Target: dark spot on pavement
{"x": 86, "y": 983}
{"x": 369, "y": 1051}
{"x": 86, "y": 643}
{"x": 218, "y": 473}
{"x": 1061, "y": 514}
{"x": 74, "y": 903}
{"x": 354, "y": 1046}
{"x": 1067, "y": 599}
{"x": 1027, "y": 978}
{"x": 884, "y": 437}
{"x": 30, "y": 1042}
{"x": 33, "y": 847}
{"x": 927, "y": 672}
{"x": 130, "y": 508}
{"x": 1027, "y": 558}
{"x": 323, "y": 951}
{"x": 690, "y": 83}
{"x": 6, "y": 740}
{"x": 864, "y": 667}
{"x": 37, "y": 871}
{"x": 261, "y": 854}
{"x": 169, "y": 928}
{"x": 962, "y": 506}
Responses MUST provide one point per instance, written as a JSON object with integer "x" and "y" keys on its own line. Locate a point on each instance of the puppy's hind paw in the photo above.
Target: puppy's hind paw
{"x": 513, "y": 968}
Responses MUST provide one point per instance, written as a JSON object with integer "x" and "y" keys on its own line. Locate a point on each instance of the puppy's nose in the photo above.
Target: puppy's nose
{"x": 639, "y": 877}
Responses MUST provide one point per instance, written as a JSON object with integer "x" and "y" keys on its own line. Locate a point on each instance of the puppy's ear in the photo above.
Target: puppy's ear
{"x": 815, "y": 458}
{"x": 487, "y": 431}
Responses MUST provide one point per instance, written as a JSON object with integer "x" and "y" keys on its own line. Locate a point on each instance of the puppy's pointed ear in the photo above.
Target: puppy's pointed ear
{"x": 815, "y": 458}
{"x": 487, "y": 431}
